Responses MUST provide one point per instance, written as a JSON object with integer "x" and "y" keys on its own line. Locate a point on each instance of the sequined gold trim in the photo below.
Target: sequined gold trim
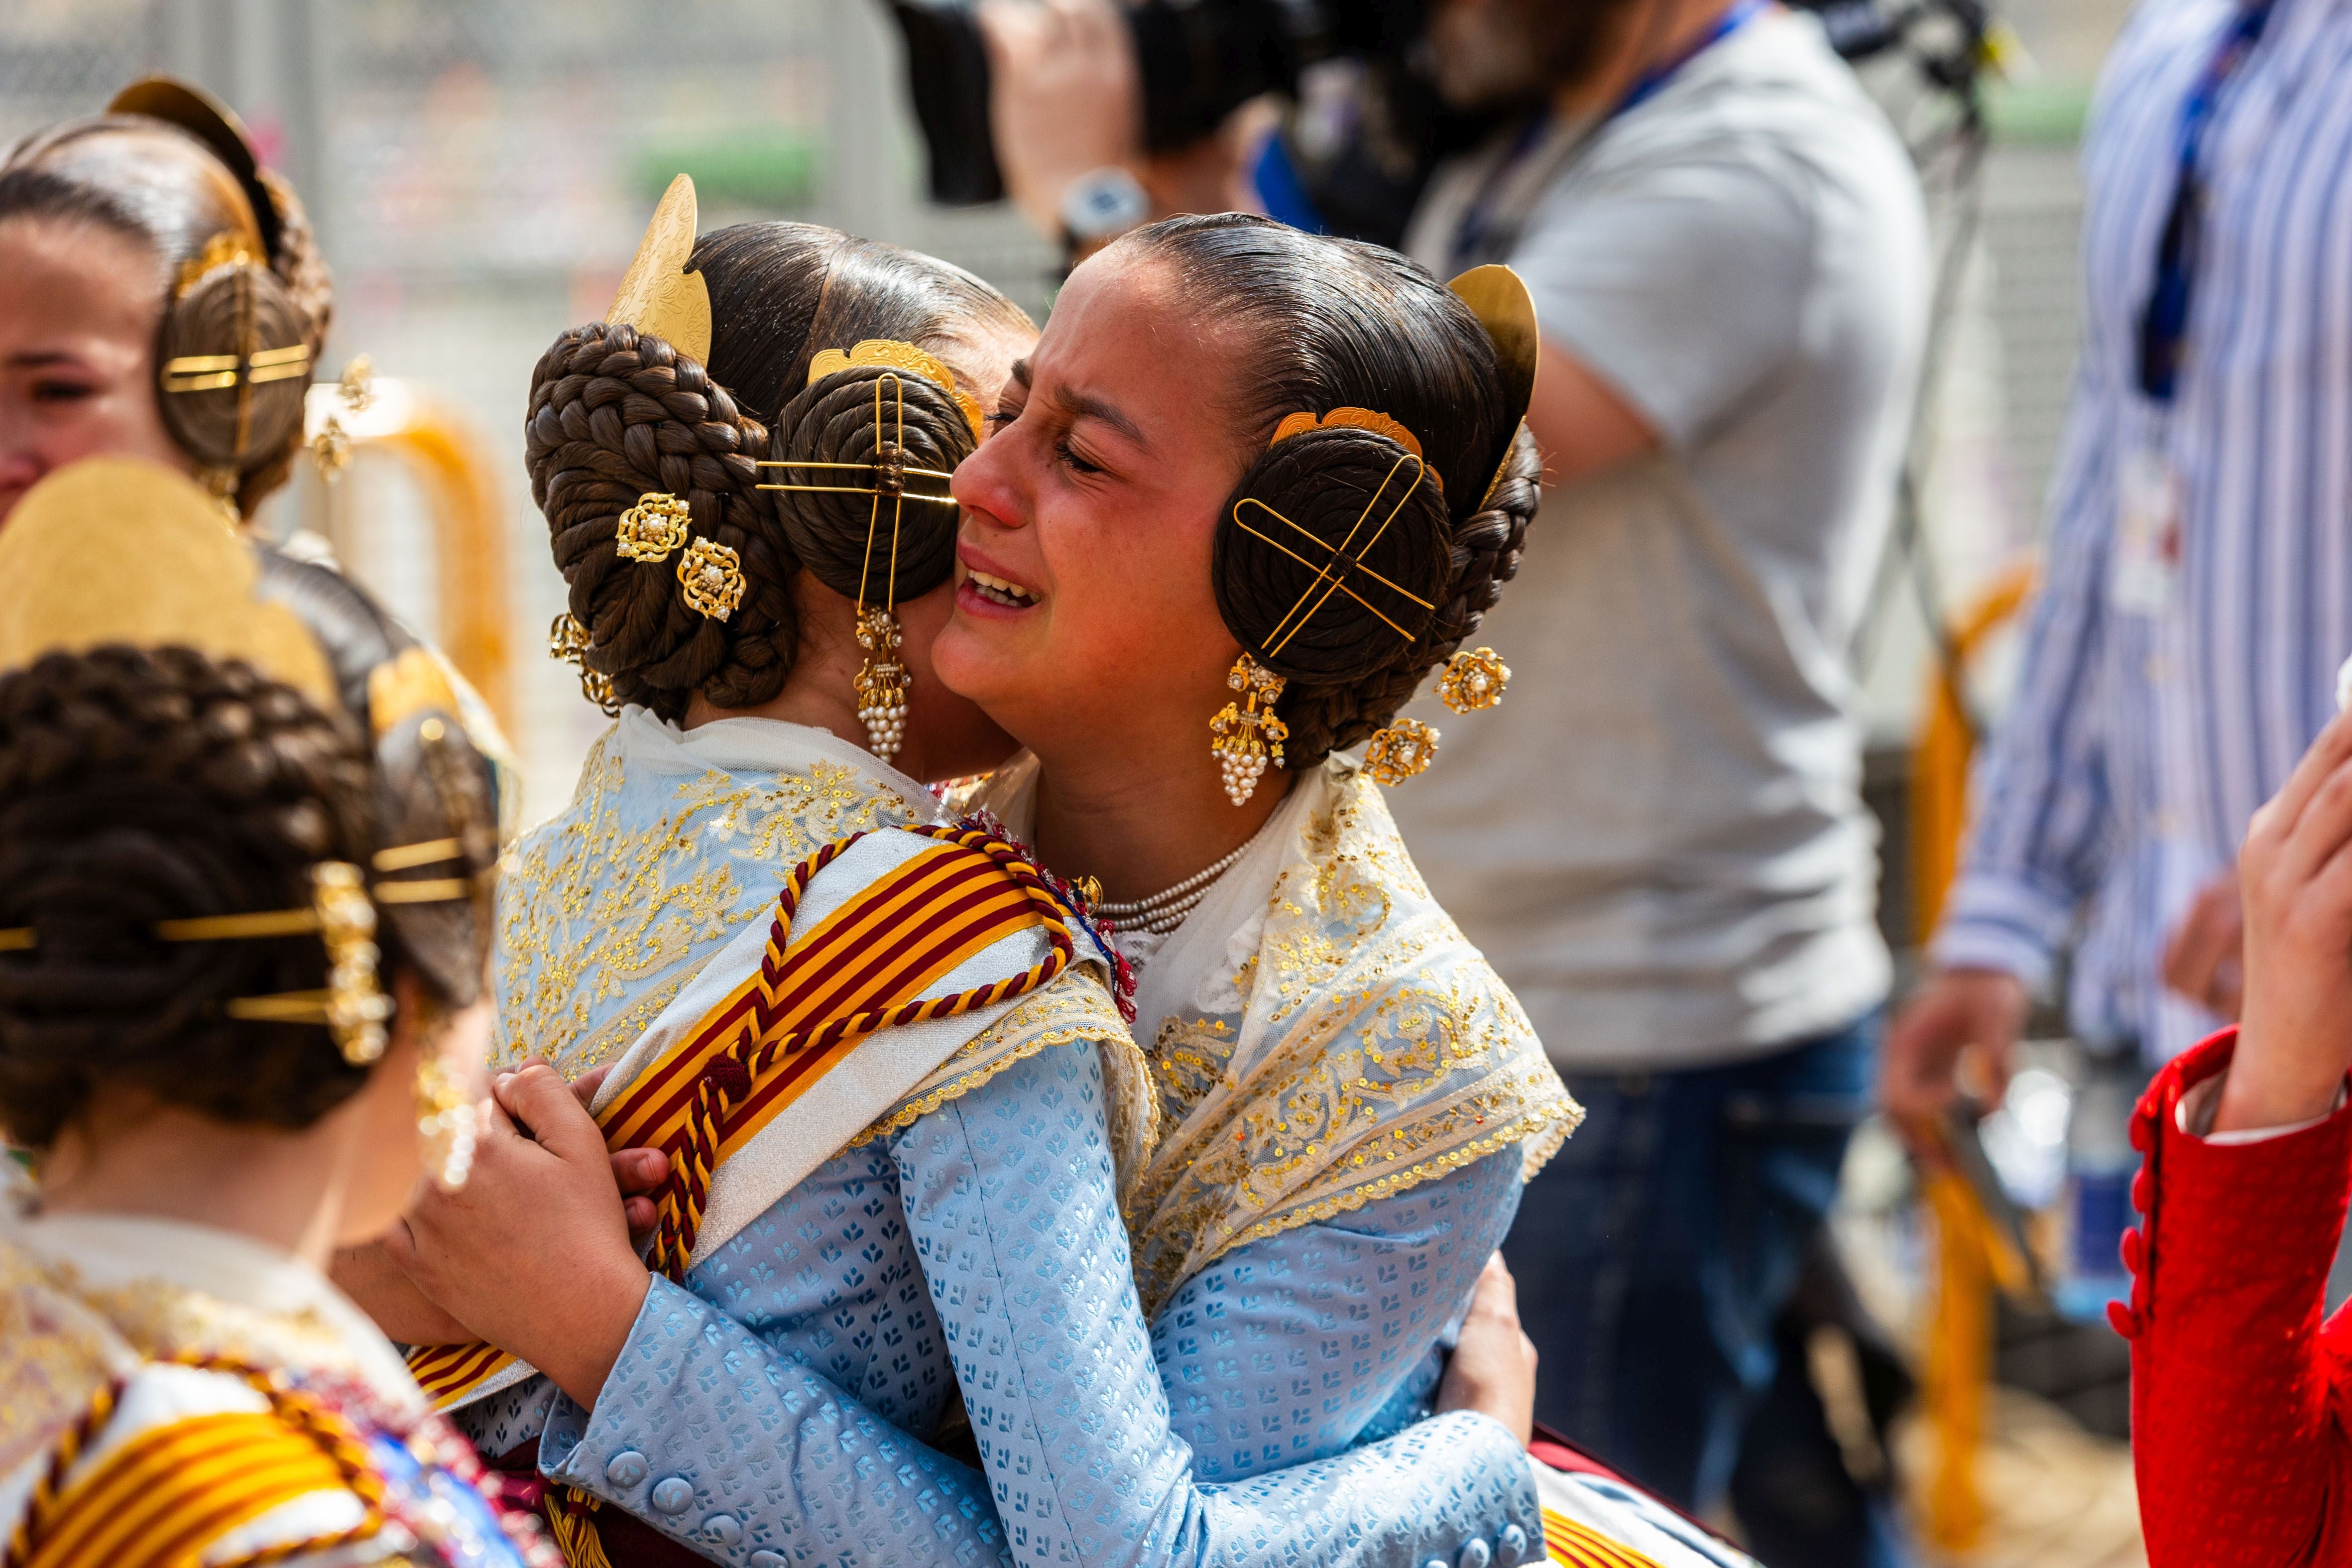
{"x": 1549, "y": 1128}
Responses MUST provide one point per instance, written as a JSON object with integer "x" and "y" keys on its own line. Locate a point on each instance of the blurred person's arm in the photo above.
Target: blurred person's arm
{"x": 2037, "y": 840}
{"x": 2238, "y": 1389}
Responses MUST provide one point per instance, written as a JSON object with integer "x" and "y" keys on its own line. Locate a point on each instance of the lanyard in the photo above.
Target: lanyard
{"x": 2164, "y": 321}
{"x": 1478, "y": 223}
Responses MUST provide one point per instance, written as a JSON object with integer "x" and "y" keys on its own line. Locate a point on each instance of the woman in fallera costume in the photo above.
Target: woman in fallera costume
{"x": 163, "y": 299}
{"x": 246, "y": 853}
{"x": 893, "y": 1211}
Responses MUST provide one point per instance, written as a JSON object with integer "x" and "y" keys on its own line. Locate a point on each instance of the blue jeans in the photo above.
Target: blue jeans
{"x": 1653, "y": 1254}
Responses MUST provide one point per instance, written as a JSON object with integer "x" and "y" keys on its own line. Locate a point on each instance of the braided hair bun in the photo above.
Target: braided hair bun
{"x": 1326, "y": 569}
{"x": 894, "y": 420}
{"x": 617, "y": 416}
{"x": 139, "y": 786}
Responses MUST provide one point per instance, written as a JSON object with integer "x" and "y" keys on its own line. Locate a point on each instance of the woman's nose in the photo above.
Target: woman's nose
{"x": 986, "y": 483}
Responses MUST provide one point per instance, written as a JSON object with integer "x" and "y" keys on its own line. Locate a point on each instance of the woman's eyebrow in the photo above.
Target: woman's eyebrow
{"x": 1086, "y": 405}
{"x": 36, "y": 359}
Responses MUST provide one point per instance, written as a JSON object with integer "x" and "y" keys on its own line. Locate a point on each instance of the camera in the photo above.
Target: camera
{"x": 1199, "y": 59}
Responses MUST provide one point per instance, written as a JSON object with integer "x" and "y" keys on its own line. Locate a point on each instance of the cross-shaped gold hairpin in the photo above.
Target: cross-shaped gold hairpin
{"x": 1336, "y": 569}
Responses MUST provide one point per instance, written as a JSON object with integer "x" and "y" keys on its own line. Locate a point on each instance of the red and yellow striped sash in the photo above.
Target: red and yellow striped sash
{"x": 862, "y": 968}
{"x": 1575, "y": 1544}
{"x": 167, "y": 1495}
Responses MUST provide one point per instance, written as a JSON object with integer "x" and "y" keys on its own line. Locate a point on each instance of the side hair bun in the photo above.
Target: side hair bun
{"x": 234, "y": 359}
{"x": 1331, "y": 558}
{"x": 874, "y": 423}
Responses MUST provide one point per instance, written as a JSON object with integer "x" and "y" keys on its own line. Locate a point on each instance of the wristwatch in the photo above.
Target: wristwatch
{"x": 1100, "y": 205}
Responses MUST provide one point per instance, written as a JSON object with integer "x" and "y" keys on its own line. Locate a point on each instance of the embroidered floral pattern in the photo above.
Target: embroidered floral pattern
{"x": 1366, "y": 1047}
{"x": 608, "y": 909}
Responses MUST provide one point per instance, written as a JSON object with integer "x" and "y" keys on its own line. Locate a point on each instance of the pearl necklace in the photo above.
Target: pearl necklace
{"x": 1165, "y": 910}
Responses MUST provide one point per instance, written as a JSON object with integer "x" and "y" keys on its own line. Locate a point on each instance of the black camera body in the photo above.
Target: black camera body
{"x": 1199, "y": 59}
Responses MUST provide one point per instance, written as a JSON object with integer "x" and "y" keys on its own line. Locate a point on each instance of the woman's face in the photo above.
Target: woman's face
{"x": 1083, "y": 611}
{"x": 957, "y": 739}
{"x": 78, "y": 312}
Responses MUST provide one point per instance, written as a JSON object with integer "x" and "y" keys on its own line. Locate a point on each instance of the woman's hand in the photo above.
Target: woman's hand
{"x": 2295, "y": 877}
{"x": 533, "y": 1254}
{"x": 384, "y": 1290}
{"x": 1493, "y": 1368}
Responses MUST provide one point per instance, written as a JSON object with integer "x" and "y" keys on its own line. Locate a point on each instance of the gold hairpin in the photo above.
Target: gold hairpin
{"x": 883, "y": 682}
{"x": 1352, "y": 418}
{"x": 1335, "y": 570}
{"x": 901, "y": 356}
{"x": 352, "y": 1006}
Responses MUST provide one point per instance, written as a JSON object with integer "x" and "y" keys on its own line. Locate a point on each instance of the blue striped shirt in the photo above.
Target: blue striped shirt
{"x": 2141, "y": 741}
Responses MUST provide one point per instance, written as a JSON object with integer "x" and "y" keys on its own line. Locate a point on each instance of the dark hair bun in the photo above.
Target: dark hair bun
{"x": 615, "y": 416}
{"x": 895, "y": 420}
{"x": 1332, "y": 557}
{"x": 230, "y": 311}
{"x": 139, "y": 786}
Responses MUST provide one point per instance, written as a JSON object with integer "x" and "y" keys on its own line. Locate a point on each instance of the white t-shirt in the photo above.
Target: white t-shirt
{"x": 1658, "y": 838}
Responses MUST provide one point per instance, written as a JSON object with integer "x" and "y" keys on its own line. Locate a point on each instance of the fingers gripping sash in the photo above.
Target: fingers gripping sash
{"x": 863, "y": 967}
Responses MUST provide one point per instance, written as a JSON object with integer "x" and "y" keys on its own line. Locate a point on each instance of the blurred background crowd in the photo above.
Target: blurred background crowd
{"x": 479, "y": 174}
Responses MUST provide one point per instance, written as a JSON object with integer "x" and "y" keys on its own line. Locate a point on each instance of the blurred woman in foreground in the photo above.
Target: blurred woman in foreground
{"x": 245, "y": 856}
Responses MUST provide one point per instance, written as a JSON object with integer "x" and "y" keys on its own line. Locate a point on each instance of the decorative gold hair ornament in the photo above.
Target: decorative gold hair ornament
{"x": 115, "y": 549}
{"x": 1499, "y": 297}
{"x": 883, "y": 682}
{"x": 568, "y": 643}
{"x": 1379, "y": 424}
{"x": 658, "y": 295}
{"x": 902, "y": 356}
{"x": 653, "y": 527}
{"x": 1474, "y": 679}
{"x": 711, "y": 579}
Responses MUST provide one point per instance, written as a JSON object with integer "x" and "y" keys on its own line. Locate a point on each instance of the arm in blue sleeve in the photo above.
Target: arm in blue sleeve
{"x": 736, "y": 1449}
{"x": 1009, "y": 1194}
{"x": 722, "y": 1442}
{"x": 2041, "y": 810}
{"x": 1285, "y": 1350}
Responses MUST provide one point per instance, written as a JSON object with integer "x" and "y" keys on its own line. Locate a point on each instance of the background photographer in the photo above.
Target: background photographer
{"x": 1727, "y": 246}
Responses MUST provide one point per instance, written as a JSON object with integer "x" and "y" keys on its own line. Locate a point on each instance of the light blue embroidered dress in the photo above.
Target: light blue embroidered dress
{"x": 761, "y": 1413}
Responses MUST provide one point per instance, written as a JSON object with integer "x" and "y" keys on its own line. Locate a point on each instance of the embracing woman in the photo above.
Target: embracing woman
{"x": 883, "y": 1054}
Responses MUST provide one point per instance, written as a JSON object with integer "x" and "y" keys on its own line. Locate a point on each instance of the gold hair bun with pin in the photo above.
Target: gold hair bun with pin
{"x": 658, "y": 295}
{"x": 117, "y": 549}
{"x": 1371, "y": 419}
{"x": 896, "y": 355}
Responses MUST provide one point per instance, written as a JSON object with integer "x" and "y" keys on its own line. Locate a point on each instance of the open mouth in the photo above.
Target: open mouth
{"x": 998, "y": 590}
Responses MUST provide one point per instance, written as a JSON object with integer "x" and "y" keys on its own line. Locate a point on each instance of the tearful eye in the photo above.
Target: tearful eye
{"x": 63, "y": 390}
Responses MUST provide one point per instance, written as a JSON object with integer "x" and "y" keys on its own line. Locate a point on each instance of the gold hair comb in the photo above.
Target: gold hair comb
{"x": 658, "y": 295}
{"x": 1379, "y": 424}
{"x": 901, "y": 356}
